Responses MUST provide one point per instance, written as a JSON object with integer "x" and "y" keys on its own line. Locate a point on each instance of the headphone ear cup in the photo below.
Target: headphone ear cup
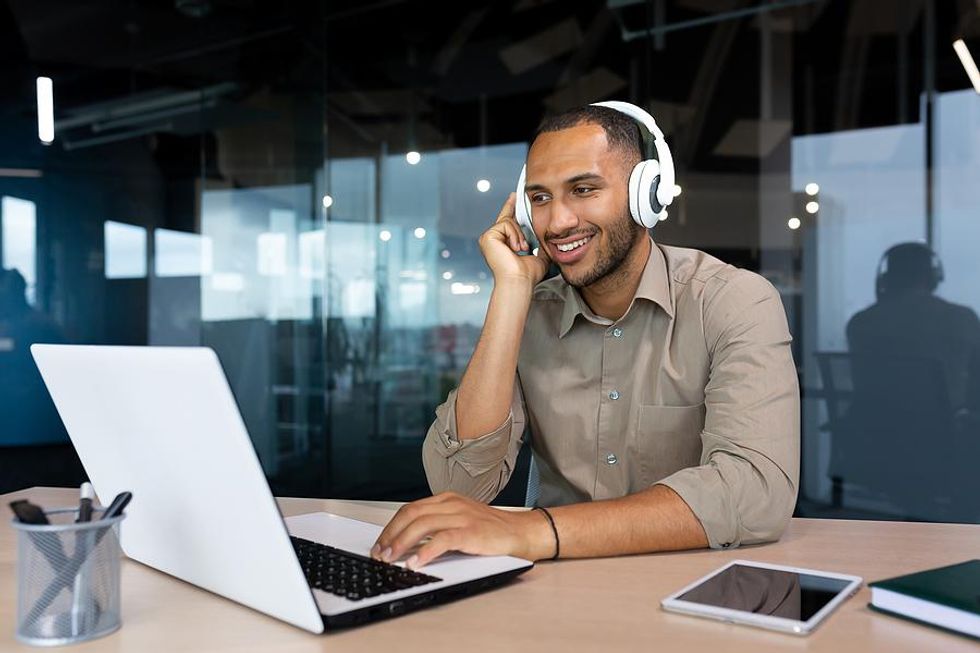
{"x": 522, "y": 207}
{"x": 643, "y": 189}
{"x": 634, "y": 193}
{"x": 655, "y": 204}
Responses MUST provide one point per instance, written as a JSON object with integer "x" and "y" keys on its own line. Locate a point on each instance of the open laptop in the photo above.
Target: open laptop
{"x": 162, "y": 422}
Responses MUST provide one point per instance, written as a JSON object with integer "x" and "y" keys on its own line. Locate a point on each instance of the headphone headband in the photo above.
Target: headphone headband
{"x": 636, "y": 113}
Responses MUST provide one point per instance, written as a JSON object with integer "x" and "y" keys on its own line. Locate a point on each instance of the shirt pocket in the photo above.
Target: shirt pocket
{"x": 667, "y": 439}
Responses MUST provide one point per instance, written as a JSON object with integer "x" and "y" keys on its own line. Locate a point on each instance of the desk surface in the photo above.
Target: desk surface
{"x": 571, "y": 605}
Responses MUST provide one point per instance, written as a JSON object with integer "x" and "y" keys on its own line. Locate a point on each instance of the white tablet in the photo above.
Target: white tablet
{"x": 787, "y": 599}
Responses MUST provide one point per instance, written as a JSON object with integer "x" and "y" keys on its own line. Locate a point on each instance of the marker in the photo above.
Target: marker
{"x": 82, "y": 579}
{"x": 86, "y": 494}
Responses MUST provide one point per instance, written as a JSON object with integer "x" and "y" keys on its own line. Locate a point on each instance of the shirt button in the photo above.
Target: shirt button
{"x": 614, "y": 395}
{"x": 611, "y": 459}
{"x": 617, "y": 333}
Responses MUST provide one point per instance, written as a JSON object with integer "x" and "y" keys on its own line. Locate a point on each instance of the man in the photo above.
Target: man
{"x": 657, "y": 382}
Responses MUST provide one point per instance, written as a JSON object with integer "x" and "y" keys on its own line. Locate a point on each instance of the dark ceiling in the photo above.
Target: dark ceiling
{"x": 458, "y": 74}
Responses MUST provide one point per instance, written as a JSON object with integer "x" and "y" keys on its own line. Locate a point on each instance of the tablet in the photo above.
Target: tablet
{"x": 788, "y": 599}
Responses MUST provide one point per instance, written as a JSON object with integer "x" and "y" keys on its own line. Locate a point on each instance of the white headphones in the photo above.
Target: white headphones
{"x": 651, "y": 187}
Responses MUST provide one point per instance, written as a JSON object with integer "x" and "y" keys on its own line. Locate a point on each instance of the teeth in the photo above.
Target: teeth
{"x": 570, "y": 246}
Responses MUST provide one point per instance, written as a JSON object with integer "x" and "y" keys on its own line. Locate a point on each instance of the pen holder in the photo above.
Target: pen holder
{"x": 67, "y": 579}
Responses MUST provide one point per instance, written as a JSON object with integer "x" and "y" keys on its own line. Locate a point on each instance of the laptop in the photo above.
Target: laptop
{"x": 162, "y": 422}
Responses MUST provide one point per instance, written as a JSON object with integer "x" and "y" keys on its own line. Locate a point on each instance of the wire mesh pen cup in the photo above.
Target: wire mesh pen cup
{"x": 67, "y": 578}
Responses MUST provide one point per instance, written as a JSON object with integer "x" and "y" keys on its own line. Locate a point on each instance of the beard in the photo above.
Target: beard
{"x": 620, "y": 239}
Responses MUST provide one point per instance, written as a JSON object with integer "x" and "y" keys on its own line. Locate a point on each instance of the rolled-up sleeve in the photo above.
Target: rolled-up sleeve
{"x": 476, "y": 467}
{"x": 744, "y": 490}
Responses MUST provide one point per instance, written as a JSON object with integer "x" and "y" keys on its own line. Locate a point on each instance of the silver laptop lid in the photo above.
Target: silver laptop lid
{"x": 163, "y": 423}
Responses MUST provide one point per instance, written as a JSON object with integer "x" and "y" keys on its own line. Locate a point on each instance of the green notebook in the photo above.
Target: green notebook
{"x": 947, "y": 597}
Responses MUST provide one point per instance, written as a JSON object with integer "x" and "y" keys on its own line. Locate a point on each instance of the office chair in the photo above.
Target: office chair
{"x": 892, "y": 431}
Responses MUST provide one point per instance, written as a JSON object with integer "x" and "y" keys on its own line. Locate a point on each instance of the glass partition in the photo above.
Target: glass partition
{"x": 301, "y": 187}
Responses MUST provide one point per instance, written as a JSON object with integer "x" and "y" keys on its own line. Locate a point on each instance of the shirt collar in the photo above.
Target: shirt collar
{"x": 654, "y": 286}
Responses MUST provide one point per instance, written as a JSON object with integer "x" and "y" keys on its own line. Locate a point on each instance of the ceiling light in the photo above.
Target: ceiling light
{"x": 812, "y": 207}
{"x": 483, "y": 185}
{"x": 413, "y": 157}
{"x": 812, "y": 188}
{"x": 966, "y": 59}
{"x": 45, "y": 110}
{"x": 793, "y": 223}
{"x": 464, "y": 288}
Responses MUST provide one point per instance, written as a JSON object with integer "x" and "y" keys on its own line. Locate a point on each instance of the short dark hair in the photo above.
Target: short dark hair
{"x": 622, "y": 132}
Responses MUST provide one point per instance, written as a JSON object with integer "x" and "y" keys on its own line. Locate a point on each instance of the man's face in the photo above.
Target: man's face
{"x": 578, "y": 188}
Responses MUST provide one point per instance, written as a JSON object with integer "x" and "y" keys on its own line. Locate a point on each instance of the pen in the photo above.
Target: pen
{"x": 118, "y": 505}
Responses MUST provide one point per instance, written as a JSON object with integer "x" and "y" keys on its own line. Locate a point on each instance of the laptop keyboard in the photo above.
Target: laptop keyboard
{"x": 352, "y": 576}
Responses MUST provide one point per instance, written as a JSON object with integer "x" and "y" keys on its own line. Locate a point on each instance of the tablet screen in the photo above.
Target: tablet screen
{"x": 766, "y": 591}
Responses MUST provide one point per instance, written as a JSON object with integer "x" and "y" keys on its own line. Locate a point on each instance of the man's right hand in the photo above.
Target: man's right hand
{"x": 500, "y": 244}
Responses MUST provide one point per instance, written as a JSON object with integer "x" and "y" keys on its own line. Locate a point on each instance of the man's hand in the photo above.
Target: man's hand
{"x": 451, "y": 522}
{"x": 500, "y": 244}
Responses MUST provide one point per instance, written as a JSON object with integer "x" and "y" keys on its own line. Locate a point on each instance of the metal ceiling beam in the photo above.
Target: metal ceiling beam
{"x": 127, "y": 108}
{"x": 659, "y": 30}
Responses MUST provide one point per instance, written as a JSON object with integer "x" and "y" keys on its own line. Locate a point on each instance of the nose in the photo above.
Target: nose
{"x": 561, "y": 219}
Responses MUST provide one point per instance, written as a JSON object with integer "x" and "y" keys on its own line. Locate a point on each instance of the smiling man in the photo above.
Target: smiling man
{"x": 656, "y": 383}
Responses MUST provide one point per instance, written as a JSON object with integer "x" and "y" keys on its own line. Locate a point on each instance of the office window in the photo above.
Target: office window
{"x": 19, "y": 220}
{"x": 179, "y": 254}
{"x": 125, "y": 251}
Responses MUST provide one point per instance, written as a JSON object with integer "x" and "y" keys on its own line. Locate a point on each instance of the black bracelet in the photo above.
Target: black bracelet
{"x": 553, "y": 530}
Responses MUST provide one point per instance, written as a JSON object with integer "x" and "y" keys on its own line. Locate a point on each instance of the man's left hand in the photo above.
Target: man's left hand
{"x": 450, "y": 522}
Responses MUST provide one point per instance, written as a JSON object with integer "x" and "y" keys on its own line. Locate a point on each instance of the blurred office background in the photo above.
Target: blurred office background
{"x": 301, "y": 186}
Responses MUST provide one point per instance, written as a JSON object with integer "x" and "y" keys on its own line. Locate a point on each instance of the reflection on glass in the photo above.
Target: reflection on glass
{"x": 872, "y": 194}
{"x": 264, "y": 266}
{"x": 914, "y": 361}
{"x": 773, "y": 592}
{"x": 897, "y": 364}
{"x": 19, "y": 224}
{"x": 312, "y": 246}
{"x": 181, "y": 254}
{"x": 125, "y": 251}
{"x": 271, "y": 254}
{"x": 957, "y": 194}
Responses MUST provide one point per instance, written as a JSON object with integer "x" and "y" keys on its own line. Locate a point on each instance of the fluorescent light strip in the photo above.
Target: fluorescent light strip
{"x": 968, "y": 63}
{"x": 26, "y": 173}
{"x": 45, "y": 110}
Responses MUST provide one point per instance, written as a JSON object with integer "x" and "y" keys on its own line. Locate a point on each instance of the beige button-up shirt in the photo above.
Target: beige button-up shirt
{"x": 693, "y": 388}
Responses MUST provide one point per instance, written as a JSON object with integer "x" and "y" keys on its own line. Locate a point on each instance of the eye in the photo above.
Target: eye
{"x": 538, "y": 198}
{"x": 583, "y": 190}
